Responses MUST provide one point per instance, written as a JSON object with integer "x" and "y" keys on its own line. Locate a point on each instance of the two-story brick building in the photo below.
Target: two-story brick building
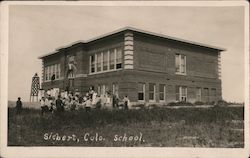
{"x": 148, "y": 67}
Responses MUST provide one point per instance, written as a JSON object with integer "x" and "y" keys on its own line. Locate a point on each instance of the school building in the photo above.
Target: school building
{"x": 149, "y": 68}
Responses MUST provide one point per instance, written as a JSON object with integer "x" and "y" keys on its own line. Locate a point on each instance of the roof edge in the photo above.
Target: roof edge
{"x": 127, "y": 28}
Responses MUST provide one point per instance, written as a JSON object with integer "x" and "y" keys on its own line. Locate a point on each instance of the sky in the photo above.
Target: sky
{"x": 37, "y": 30}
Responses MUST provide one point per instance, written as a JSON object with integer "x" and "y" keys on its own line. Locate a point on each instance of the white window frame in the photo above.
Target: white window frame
{"x": 50, "y": 70}
{"x": 143, "y": 88}
{"x": 151, "y": 100}
{"x": 180, "y": 64}
{"x": 108, "y": 62}
{"x": 164, "y": 93}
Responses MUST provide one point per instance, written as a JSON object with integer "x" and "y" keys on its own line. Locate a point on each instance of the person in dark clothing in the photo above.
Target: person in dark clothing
{"x": 126, "y": 102}
{"x": 115, "y": 101}
{"x": 59, "y": 104}
{"x": 18, "y": 105}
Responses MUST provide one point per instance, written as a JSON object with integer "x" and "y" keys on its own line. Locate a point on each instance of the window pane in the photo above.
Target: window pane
{"x": 161, "y": 88}
{"x": 213, "y": 91}
{"x": 151, "y": 87}
{"x": 151, "y": 96}
{"x": 119, "y": 58}
{"x": 183, "y": 64}
{"x": 112, "y": 59}
{"x": 140, "y": 91}
{"x": 49, "y": 74}
{"x": 92, "y": 58}
{"x": 59, "y": 70}
{"x": 140, "y": 87}
{"x": 161, "y": 96}
{"x": 99, "y": 64}
{"x": 105, "y": 60}
{"x": 140, "y": 96}
{"x": 177, "y": 63}
{"x": 46, "y": 73}
{"x": 151, "y": 91}
{"x": 161, "y": 91}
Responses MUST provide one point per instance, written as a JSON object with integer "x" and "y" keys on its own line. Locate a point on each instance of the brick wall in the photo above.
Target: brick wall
{"x": 157, "y": 54}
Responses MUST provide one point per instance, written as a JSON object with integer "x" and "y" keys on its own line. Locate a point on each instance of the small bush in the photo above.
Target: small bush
{"x": 182, "y": 103}
{"x": 141, "y": 106}
{"x": 199, "y": 103}
{"x": 151, "y": 106}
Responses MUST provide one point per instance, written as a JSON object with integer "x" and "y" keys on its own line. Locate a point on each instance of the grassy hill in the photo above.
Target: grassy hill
{"x": 183, "y": 127}
{"x": 35, "y": 105}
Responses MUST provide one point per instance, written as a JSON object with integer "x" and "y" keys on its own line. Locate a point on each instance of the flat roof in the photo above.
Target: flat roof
{"x": 134, "y": 30}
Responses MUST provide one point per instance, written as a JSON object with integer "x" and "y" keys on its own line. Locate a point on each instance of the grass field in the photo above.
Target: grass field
{"x": 157, "y": 127}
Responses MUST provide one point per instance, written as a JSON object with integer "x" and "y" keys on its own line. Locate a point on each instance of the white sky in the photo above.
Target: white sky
{"x": 38, "y": 30}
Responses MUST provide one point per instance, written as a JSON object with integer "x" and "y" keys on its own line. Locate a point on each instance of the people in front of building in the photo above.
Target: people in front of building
{"x": 73, "y": 104}
{"x": 19, "y": 105}
{"x": 75, "y": 101}
{"x": 91, "y": 91}
{"x": 126, "y": 102}
{"x": 44, "y": 107}
{"x": 115, "y": 101}
{"x": 98, "y": 102}
{"x": 88, "y": 104}
{"x": 94, "y": 96}
{"x": 59, "y": 105}
{"x": 51, "y": 103}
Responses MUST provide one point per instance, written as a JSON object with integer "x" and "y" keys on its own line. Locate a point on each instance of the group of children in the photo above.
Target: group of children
{"x": 91, "y": 100}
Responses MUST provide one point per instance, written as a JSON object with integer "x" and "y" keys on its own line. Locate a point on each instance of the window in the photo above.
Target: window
{"x": 99, "y": 62}
{"x": 180, "y": 64}
{"x": 51, "y": 70}
{"x": 57, "y": 73}
{"x": 118, "y": 58}
{"x": 141, "y": 92}
{"x": 161, "y": 92}
{"x": 92, "y": 63}
{"x": 206, "y": 94}
{"x": 46, "y": 73}
{"x": 59, "y": 70}
{"x": 112, "y": 59}
{"x": 198, "y": 94}
{"x": 181, "y": 93}
{"x": 105, "y": 61}
{"x": 115, "y": 89}
{"x": 213, "y": 92}
{"x": 151, "y": 91}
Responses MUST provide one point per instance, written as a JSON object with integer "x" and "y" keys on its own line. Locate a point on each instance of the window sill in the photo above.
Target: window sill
{"x": 141, "y": 101}
{"x": 152, "y": 101}
{"x": 53, "y": 80}
{"x": 184, "y": 74}
{"x": 94, "y": 73}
